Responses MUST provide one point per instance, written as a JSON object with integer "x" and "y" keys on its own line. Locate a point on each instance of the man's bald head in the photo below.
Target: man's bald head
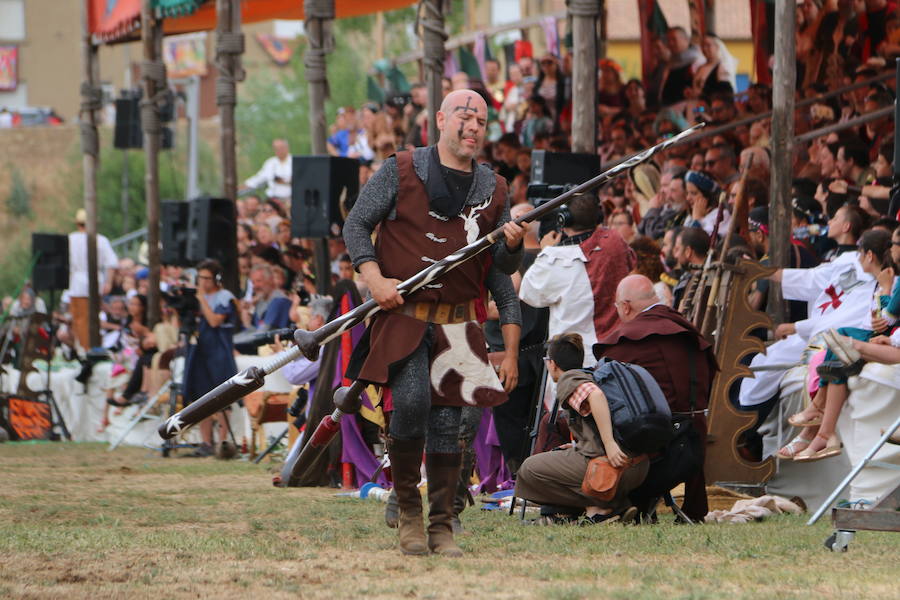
{"x": 463, "y": 100}
{"x": 633, "y": 295}
{"x": 462, "y": 121}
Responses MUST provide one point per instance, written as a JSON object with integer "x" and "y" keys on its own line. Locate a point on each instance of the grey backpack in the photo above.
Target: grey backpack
{"x": 641, "y": 419}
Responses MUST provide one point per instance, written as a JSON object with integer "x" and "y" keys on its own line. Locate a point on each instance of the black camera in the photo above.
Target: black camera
{"x": 541, "y": 193}
{"x": 183, "y": 300}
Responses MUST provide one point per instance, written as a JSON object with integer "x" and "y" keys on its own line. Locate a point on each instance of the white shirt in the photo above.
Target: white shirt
{"x": 272, "y": 168}
{"x": 841, "y": 282}
{"x": 78, "y": 262}
{"x": 558, "y": 279}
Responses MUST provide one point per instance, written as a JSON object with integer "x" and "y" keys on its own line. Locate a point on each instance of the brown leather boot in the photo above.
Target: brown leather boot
{"x": 406, "y": 459}
{"x": 443, "y": 479}
{"x": 463, "y": 496}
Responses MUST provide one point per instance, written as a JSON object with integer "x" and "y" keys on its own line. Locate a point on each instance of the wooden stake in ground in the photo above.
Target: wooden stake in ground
{"x": 229, "y": 47}
{"x": 91, "y": 102}
{"x": 584, "y": 74}
{"x": 153, "y": 73}
{"x": 783, "y": 90}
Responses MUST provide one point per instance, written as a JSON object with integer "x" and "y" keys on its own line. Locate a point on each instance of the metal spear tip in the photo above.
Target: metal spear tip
{"x": 347, "y": 400}
{"x": 307, "y": 342}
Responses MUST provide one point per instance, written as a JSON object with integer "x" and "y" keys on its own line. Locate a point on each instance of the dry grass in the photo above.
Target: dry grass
{"x": 77, "y": 522}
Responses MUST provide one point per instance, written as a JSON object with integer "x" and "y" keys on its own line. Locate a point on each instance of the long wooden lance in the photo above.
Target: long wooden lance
{"x": 308, "y": 342}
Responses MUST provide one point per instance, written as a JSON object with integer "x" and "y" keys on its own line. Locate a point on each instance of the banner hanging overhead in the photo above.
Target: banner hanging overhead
{"x": 185, "y": 55}
{"x": 9, "y": 71}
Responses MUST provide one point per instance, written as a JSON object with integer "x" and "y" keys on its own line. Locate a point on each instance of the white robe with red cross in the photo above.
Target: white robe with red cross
{"x": 839, "y": 294}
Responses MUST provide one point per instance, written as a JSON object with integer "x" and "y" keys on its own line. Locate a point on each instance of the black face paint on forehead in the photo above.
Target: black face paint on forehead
{"x": 467, "y": 107}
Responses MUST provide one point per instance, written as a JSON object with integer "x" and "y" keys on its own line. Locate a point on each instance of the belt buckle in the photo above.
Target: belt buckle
{"x": 459, "y": 313}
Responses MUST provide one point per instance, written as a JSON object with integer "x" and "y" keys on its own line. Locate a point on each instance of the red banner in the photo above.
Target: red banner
{"x": 113, "y": 19}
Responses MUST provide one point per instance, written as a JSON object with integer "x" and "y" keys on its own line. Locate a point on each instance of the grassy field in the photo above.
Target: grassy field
{"x": 77, "y": 521}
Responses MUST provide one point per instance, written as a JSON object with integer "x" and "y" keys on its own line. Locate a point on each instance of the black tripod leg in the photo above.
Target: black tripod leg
{"x": 272, "y": 446}
{"x": 54, "y": 408}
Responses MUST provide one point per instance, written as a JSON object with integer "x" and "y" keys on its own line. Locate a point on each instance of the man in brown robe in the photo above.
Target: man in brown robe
{"x": 659, "y": 339}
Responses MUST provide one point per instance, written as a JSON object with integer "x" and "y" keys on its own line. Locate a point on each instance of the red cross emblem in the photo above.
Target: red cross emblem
{"x": 835, "y": 299}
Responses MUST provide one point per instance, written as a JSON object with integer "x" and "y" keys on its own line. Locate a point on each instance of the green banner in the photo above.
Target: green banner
{"x": 176, "y": 8}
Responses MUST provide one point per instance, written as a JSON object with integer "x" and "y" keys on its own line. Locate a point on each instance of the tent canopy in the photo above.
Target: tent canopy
{"x": 116, "y": 20}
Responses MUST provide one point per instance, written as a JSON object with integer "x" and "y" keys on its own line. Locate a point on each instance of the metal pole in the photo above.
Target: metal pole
{"x": 895, "y": 189}
{"x": 433, "y": 37}
{"x": 193, "y": 110}
{"x": 784, "y": 86}
{"x": 229, "y": 47}
{"x": 319, "y": 15}
{"x": 154, "y": 76}
{"x": 91, "y": 102}
{"x": 584, "y": 74}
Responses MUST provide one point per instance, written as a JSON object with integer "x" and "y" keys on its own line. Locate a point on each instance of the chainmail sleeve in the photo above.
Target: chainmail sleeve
{"x": 376, "y": 202}
{"x": 500, "y": 285}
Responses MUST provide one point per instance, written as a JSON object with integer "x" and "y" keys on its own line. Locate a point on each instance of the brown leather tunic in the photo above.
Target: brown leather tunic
{"x": 409, "y": 243}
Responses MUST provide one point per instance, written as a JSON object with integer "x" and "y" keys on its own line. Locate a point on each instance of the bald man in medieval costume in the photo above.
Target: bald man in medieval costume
{"x": 427, "y": 349}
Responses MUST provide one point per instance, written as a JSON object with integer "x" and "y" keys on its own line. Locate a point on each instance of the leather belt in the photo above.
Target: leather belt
{"x": 441, "y": 313}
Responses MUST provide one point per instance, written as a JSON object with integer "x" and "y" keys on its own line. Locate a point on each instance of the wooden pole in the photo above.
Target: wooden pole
{"x": 783, "y": 90}
{"x": 91, "y": 102}
{"x": 433, "y": 37}
{"x": 319, "y": 15}
{"x": 584, "y": 74}
{"x": 229, "y": 47}
{"x": 379, "y": 35}
{"x": 154, "y": 78}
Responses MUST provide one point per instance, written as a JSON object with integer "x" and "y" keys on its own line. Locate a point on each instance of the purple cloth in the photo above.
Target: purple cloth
{"x": 492, "y": 471}
{"x": 356, "y": 452}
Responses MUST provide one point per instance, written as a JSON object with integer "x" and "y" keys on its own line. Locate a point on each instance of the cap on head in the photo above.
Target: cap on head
{"x": 81, "y": 216}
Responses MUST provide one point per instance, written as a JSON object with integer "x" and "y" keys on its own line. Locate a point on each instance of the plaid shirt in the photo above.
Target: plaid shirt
{"x": 578, "y": 399}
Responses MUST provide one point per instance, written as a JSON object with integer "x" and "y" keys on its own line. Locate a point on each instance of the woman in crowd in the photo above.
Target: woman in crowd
{"x": 703, "y": 198}
{"x": 718, "y": 73}
{"x": 551, "y": 86}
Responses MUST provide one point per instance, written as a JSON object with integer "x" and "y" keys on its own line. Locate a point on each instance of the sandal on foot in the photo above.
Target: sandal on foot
{"x": 793, "y": 448}
{"x": 798, "y": 420}
{"x": 827, "y": 452}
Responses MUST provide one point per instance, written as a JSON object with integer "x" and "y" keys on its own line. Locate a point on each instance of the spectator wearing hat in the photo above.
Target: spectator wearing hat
{"x": 107, "y": 261}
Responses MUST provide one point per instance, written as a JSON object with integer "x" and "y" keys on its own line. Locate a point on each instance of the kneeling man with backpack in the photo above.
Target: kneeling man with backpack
{"x": 617, "y": 414}
{"x": 682, "y": 362}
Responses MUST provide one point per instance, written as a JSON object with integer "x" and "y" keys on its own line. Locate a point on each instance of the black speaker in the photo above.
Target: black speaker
{"x": 128, "y": 124}
{"x": 561, "y": 168}
{"x": 323, "y": 190}
{"x": 174, "y": 232}
{"x": 51, "y": 267}
{"x": 128, "y": 132}
{"x": 212, "y": 231}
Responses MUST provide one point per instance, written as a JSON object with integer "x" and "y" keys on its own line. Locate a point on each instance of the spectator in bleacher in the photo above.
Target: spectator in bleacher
{"x": 719, "y": 162}
{"x": 551, "y": 86}
{"x": 275, "y": 173}
{"x": 269, "y": 307}
{"x": 539, "y": 120}
{"x": 677, "y": 75}
{"x": 717, "y": 74}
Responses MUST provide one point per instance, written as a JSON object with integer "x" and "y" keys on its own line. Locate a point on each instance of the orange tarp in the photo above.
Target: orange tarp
{"x": 111, "y": 20}
{"x": 264, "y": 10}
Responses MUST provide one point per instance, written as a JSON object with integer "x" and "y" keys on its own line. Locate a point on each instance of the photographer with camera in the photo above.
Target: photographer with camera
{"x": 576, "y": 274}
{"x": 210, "y": 361}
